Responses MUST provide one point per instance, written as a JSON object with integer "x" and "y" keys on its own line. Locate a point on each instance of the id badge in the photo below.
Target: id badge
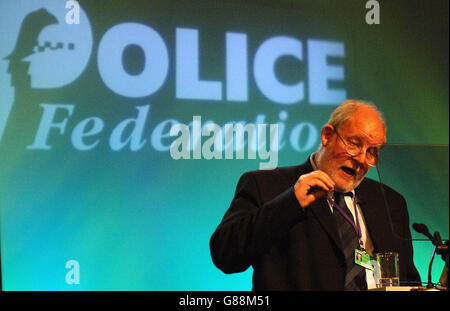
{"x": 363, "y": 259}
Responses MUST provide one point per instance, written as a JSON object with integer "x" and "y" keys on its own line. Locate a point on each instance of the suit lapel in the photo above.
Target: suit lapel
{"x": 321, "y": 210}
{"x": 377, "y": 222}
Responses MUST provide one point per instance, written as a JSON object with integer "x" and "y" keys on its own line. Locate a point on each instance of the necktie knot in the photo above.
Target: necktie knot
{"x": 340, "y": 195}
{"x": 350, "y": 194}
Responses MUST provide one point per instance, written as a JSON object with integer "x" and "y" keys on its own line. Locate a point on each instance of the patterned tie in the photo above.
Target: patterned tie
{"x": 355, "y": 277}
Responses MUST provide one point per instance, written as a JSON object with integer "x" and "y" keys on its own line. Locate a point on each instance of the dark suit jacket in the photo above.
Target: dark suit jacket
{"x": 291, "y": 248}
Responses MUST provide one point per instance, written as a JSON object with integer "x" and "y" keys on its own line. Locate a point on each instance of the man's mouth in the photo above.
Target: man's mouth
{"x": 348, "y": 170}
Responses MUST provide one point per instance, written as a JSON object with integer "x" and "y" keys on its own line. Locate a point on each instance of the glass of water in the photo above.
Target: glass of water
{"x": 388, "y": 269}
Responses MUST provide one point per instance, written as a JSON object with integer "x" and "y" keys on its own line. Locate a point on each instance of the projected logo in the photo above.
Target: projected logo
{"x": 46, "y": 50}
{"x": 41, "y": 50}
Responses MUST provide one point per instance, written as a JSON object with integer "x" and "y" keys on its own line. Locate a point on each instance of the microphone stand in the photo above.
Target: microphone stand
{"x": 430, "y": 284}
{"x": 439, "y": 248}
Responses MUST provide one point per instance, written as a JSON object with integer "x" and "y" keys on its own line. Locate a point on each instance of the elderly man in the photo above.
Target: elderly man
{"x": 301, "y": 227}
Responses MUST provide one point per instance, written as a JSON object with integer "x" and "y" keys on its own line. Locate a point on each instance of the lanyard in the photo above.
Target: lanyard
{"x": 356, "y": 226}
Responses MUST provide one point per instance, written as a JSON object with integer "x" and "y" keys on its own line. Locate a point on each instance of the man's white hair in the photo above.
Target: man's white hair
{"x": 346, "y": 110}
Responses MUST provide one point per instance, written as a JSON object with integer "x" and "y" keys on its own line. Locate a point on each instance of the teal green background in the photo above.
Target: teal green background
{"x": 141, "y": 220}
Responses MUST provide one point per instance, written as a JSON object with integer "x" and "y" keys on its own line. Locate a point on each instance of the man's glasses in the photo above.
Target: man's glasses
{"x": 372, "y": 153}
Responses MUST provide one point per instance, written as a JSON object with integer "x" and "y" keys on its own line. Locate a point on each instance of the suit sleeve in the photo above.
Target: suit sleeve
{"x": 250, "y": 227}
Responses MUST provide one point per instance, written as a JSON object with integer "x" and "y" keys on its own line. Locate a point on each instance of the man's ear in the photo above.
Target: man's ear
{"x": 325, "y": 136}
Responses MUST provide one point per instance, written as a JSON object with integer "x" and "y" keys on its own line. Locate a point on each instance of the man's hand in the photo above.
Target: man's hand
{"x": 312, "y": 186}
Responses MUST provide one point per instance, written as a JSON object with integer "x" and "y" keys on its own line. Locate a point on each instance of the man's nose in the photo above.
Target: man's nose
{"x": 361, "y": 158}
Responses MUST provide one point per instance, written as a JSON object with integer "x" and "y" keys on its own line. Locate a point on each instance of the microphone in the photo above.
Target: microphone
{"x": 439, "y": 248}
{"x": 423, "y": 229}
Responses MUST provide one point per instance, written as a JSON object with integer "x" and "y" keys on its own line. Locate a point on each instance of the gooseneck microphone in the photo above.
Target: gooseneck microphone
{"x": 439, "y": 247}
{"x": 423, "y": 229}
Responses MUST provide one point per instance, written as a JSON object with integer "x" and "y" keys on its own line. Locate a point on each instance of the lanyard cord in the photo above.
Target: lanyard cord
{"x": 356, "y": 226}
